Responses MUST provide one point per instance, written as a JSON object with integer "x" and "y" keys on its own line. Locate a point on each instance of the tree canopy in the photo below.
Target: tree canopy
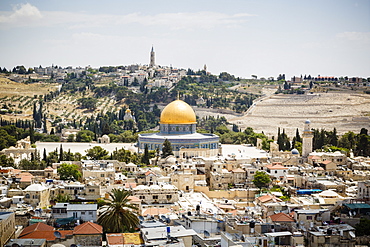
{"x": 261, "y": 179}
{"x": 69, "y": 171}
{"x": 118, "y": 214}
{"x": 96, "y": 153}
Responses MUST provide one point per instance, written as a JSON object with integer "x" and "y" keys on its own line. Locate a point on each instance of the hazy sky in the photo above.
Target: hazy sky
{"x": 243, "y": 37}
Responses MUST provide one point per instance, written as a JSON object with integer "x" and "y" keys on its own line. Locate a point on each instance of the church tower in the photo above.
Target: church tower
{"x": 307, "y": 138}
{"x": 152, "y": 58}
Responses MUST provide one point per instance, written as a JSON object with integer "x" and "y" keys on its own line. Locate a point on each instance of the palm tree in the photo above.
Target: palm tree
{"x": 118, "y": 214}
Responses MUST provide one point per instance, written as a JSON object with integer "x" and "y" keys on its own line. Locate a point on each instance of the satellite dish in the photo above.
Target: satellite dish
{"x": 57, "y": 234}
{"x": 163, "y": 217}
{"x": 352, "y": 234}
{"x": 206, "y": 234}
{"x": 141, "y": 218}
{"x": 168, "y": 220}
{"x": 73, "y": 245}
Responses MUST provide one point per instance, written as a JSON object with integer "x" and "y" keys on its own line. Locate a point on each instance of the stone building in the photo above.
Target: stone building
{"x": 104, "y": 139}
{"x": 22, "y": 150}
{"x": 341, "y": 235}
{"x": 88, "y": 234}
{"x": 85, "y": 212}
{"x": 363, "y": 190}
{"x": 7, "y": 227}
{"x": 37, "y": 195}
{"x": 156, "y": 194}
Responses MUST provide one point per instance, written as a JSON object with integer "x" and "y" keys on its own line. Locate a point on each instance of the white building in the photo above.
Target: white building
{"x": 85, "y": 212}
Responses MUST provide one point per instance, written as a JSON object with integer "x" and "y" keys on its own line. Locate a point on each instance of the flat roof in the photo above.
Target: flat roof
{"x": 356, "y": 205}
{"x": 243, "y": 151}
{"x": 26, "y": 242}
{"x": 82, "y": 207}
{"x": 278, "y": 234}
{"x": 5, "y": 215}
{"x": 158, "y": 233}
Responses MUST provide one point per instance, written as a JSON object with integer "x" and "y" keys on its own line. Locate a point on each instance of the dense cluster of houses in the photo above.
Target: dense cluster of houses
{"x": 313, "y": 201}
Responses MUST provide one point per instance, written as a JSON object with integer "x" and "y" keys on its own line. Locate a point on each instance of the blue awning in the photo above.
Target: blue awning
{"x": 308, "y": 191}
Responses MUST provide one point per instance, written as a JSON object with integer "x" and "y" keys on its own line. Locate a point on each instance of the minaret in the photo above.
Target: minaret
{"x": 152, "y": 58}
{"x": 307, "y": 139}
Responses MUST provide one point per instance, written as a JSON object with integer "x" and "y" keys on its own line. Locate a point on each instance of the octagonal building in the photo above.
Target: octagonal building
{"x": 178, "y": 125}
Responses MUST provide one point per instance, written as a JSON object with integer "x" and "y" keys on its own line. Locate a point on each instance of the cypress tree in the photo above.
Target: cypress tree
{"x": 166, "y": 149}
{"x": 44, "y": 155}
{"x": 297, "y": 136}
{"x": 61, "y": 153}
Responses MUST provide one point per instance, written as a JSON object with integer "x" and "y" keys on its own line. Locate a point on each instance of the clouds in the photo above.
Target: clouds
{"x": 21, "y": 15}
{"x": 363, "y": 37}
{"x": 27, "y": 14}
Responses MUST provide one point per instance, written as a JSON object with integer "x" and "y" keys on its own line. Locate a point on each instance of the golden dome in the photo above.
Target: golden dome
{"x": 178, "y": 112}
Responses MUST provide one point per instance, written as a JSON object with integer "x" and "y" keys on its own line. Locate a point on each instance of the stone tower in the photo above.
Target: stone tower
{"x": 152, "y": 58}
{"x": 307, "y": 138}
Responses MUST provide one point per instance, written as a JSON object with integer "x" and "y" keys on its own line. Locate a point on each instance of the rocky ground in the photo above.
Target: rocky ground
{"x": 345, "y": 111}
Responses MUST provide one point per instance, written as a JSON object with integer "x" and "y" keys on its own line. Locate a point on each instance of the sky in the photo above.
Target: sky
{"x": 242, "y": 37}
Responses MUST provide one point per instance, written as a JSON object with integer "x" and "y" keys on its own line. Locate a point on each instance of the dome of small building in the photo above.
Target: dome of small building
{"x": 307, "y": 121}
{"x": 170, "y": 160}
{"x": 178, "y": 112}
{"x": 295, "y": 151}
{"x": 128, "y": 111}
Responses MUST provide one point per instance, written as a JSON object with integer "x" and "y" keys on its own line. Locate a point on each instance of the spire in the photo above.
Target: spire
{"x": 152, "y": 58}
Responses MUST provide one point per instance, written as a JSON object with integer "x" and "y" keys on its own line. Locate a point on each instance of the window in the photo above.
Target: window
{"x": 91, "y": 190}
{"x": 102, "y": 175}
{"x": 90, "y": 213}
{"x": 309, "y": 217}
{"x": 169, "y": 197}
{"x": 155, "y": 197}
{"x": 82, "y": 213}
{"x": 275, "y": 171}
{"x": 142, "y": 197}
